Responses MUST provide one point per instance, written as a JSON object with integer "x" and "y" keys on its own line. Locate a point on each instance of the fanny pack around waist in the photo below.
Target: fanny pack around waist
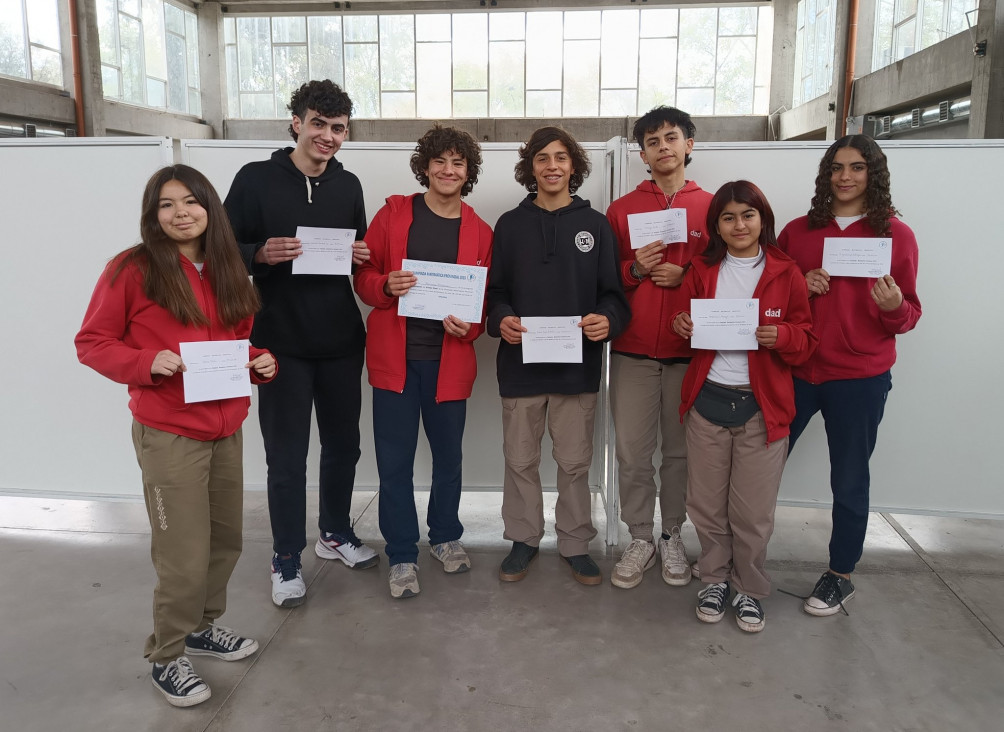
{"x": 725, "y": 407}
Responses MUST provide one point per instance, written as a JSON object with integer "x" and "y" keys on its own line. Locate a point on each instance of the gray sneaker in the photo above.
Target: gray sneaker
{"x": 403, "y": 580}
{"x": 453, "y": 556}
{"x": 675, "y": 565}
{"x": 638, "y": 557}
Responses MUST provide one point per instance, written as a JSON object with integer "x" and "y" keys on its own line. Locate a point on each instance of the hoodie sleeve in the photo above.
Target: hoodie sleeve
{"x": 904, "y": 271}
{"x": 242, "y": 208}
{"x": 485, "y": 235}
{"x": 610, "y": 299}
{"x": 499, "y": 295}
{"x": 796, "y": 340}
{"x": 371, "y": 276}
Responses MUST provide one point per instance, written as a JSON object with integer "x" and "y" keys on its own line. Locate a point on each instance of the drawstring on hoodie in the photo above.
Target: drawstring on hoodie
{"x": 550, "y": 247}
{"x": 309, "y": 198}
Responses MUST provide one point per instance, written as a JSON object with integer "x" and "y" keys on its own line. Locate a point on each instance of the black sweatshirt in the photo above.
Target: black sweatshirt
{"x": 308, "y": 316}
{"x": 552, "y": 263}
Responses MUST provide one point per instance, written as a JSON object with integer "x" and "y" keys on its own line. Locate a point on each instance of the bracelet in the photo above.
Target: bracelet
{"x": 635, "y": 273}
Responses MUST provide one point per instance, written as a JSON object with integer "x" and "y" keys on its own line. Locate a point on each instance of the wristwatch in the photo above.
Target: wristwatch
{"x": 635, "y": 273}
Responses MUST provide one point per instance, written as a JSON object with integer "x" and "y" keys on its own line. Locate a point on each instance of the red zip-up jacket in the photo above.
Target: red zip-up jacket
{"x": 784, "y": 302}
{"x": 857, "y": 340}
{"x": 386, "y": 338}
{"x": 122, "y": 333}
{"x": 650, "y": 333}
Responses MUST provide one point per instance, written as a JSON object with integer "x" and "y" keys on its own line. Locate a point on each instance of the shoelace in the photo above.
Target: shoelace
{"x": 224, "y": 637}
{"x": 714, "y": 593}
{"x": 450, "y": 548}
{"x": 677, "y": 553}
{"x": 182, "y": 675}
{"x": 400, "y": 571}
{"x": 746, "y": 606}
{"x": 635, "y": 555}
{"x": 288, "y": 567}
{"x": 830, "y": 591}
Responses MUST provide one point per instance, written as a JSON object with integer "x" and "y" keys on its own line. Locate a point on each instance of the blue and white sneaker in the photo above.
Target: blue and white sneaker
{"x": 220, "y": 642}
{"x": 178, "y": 682}
{"x": 288, "y": 588}
{"x": 346, "y": 548}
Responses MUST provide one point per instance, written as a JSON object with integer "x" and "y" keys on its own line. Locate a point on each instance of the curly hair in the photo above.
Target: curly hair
{"x": 440, "y": 140}
{"x": 740, "y": 191}
{"x": 878, "y": 199}
{"x": 540, "y": 139}
{"x": 323, "y": 96}
{"x": 654, "y": 119}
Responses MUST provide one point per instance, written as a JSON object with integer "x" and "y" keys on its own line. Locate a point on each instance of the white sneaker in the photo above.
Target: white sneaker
{"x": 675, "y": 565}
{"x": 346, "y": 548}
{"x": 403, "y": 580}
{"x": 453, "y": 556}
{"x": 638, "y": 558}
{"x": 288, "y": 588}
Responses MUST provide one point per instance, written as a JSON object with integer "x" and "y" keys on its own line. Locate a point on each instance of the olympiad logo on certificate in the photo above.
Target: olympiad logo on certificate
{"x": 584, "y": 241}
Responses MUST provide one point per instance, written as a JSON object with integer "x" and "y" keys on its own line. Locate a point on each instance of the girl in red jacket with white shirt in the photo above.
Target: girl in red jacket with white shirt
{"x": 184, "y": 282}
{"x": 738, "y": 404}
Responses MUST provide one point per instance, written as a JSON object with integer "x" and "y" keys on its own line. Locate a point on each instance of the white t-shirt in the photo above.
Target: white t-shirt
{"x": 737, "y": 279}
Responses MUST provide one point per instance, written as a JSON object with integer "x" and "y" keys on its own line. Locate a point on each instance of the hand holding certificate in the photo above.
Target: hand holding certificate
{"x": 857, "y": 257}
{"x": 325, "y": 251}
{"x": 668, "y": 226}
{"x": 725, "y": 325}
{"x": 443, "y": 289}
{"x": 552, "y": 340}
{"x": 215, "y": 370}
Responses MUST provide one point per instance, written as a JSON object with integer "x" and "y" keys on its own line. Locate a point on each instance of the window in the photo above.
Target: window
{"x": 903, "y": 27}
{"x": 29, "y": 41}
{"x": 149, "y": 54}
{"x": 814, "y": 35}
{"x": 580, "y": 63}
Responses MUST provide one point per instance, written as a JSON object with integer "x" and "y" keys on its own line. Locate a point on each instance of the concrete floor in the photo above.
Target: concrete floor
{"x": 921, "y": 649}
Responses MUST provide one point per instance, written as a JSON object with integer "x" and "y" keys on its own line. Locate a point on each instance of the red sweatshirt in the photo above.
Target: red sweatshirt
{"x": 857, "y": 340}
{"x": 122, "y": 333}
{"x": 784, "y": 302}
{"x": 386, "y": 340}
{"x": 649, "y": 332}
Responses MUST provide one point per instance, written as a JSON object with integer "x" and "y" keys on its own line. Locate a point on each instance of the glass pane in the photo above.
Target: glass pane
{"x": 506, "y": 26}
{"x": 13, "y": 45}
{"x": 290, "y": 72}
{"x": 258, "y": 106}
{"x": 882, "y": 53}
{"x": 736, "y": 21}
{"x": 582, "y": 24}
{"x": 619, "y": 49}
{"x": 470, "y": 55}
{"x": 154, "y": 44}
{"x": 470, "y": 104}
{"x": 905, "y": 40}
{"x": 156, "y": 93}
{"x": 698, "y": 36}
{"x": 324, "y": 34}
{"x": 229, "y": 30}
{"x": 362, "y": 78}
{"x": 658, "y": 23}
{"x": 656, "y": 89}
{"x": 43, "y": 23}
{"x": 505, "y": 90}
{"x": 254, "y": 48}
{"x": 696, "y": 101}
{"x": 107, "y": 31}
{"x": 822, "y": 71}
{"x": 761, "y": 100}
{"x": 397, "y": 105}
{"x": 734, "y": 79}
{"x": 432, "y": 27}
{"x": 543, "y": 103}
{"x": 432, "y": 84}
{"x": 764, "y": 47}
{"x": 177, "y": 73}
{"x": 289, "y": 30}
{"x": 194, "y": 102}
{"x": 361, "y": 29}
{"x": 233, "y": 100}
{"x": 543, "y": 70}
{"x": 932, "y": 31}
{"x": 192, "y": 51}
{"x": 581, "y": 93}
{"x": 131, "y": 41}
{"x": 129, "y": 6}
{"x": 798, "y": 66}
{"x": 174, "y": 19}
{"x": 46, "y": 66}
{"x": 111, "y": 87}
{"x": 397, "y": 52}
{"x": 618, "y": 102}
{"x": 905, "y": 9}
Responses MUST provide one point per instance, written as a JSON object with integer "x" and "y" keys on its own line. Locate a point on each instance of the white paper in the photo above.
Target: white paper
{"x": 215, "y": 370}
{"x": 444, "y": 289}
{"x": 325, "y": 251}
{"x": 552, "y": 340}
{"x": 669, "y": 225}
{"x": 725, "y": 325}
{"x": 857, "y": 257}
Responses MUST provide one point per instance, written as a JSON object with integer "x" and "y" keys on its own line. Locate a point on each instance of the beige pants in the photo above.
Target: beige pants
{"x": 194, "y": 495}
{"x": 569, "y": 421}
{"x": 734, "y": 479}
{"x": 644, "y": 401}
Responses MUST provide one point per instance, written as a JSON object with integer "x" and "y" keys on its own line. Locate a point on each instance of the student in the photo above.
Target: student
{"x": 648, "y": 361}
{"x": 183, "y": 282}
{"x": 738, "y": 404}
{"x": 313, "y": 323}
{"x": 857, "y": 320}
{"x": 553, "y": 256}
{"x": 422, "y": 367}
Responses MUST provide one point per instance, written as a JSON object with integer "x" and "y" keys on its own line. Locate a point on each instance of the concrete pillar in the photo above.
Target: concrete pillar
{"x": 90, "y": 72}
{"x": 835, "y": 103}
{"x": 212, "y": 66}
{"x": 986, "y": 119}
{"x": 782, "y": 70}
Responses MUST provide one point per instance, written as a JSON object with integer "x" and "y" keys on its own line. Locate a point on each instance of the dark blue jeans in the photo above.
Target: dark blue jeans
{"x": 332, "y": 388}
{"x": 395, "y": 436}
{"x": 852, "y": 410}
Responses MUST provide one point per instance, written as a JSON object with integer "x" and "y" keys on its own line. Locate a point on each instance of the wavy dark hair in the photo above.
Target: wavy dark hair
{"x": 540, "y": 139}
{"x": 740, "y": 191}
{"x": 440, "y": 140}
{"x": 654, "y": 119}
{"x": 878, "y": 199}
{"x": 323, "y": 96}
{"x": 156, "y": 256}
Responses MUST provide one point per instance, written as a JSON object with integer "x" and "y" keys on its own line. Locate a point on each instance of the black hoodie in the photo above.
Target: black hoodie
{"x": 552, "y": 263}
{"x": 308, "y": 316}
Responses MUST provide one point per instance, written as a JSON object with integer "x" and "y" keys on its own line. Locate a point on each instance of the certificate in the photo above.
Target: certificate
{"x": 552, "y": 340}
{"x": 669, "y": 225}
{"x": 857, "y": 257}
{"x": 443, "y": 289}
{"x": 725, "y": 325}
{"x": 215, "y": 370}
{"x": 325, "y": 251}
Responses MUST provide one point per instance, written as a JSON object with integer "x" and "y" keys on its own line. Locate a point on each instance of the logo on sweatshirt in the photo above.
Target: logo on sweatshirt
{"x": 584, "y": 241}
{"x": 772, "y": 313}
{"x": 696, "y": 234}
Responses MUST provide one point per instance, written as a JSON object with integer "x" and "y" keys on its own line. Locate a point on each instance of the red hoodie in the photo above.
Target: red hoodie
{"x": 649, "y": 333}
{"x": 784, "y": 302}
{"x": 122, "y": 333}
{"x": 857, "y": 340}
{"x": 386, "y": 340}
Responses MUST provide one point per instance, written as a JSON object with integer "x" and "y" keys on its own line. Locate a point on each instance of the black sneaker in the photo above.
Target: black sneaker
{"x": 749, "y": 613}
{"x": 517, "y": 563}
{"x": 711, "y": 602}
{"x": 829, "y": 595}
{"x": 220, "y": 642}
{"x": 584, "y": 569}
{"x": 180, "y": 684}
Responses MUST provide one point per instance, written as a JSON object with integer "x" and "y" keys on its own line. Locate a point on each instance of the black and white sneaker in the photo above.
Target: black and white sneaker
{"x": 829, "y": 595}
{"x": 749, "y": 613}
{"x": 180, "y": 684}
{"x": 711, "y": 602}
{"x": 220, "y": 642}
